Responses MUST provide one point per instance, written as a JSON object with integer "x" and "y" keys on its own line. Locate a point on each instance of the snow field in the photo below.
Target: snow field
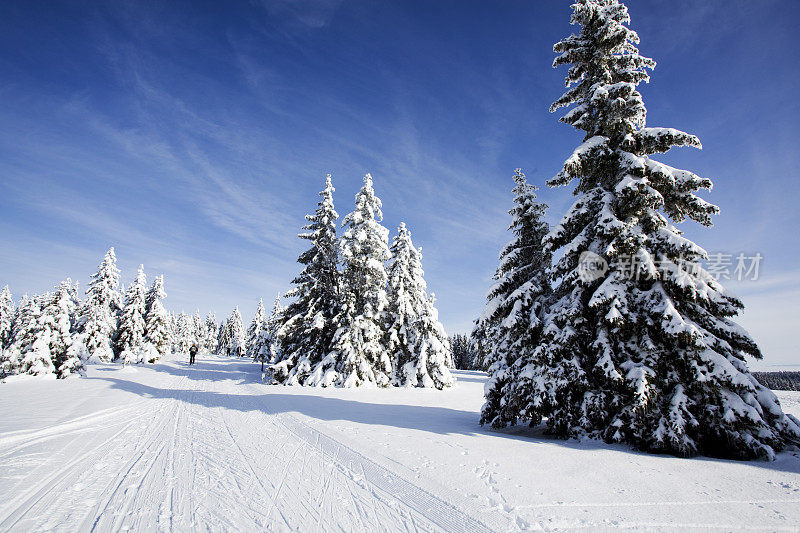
{"x": 174, "y": 448}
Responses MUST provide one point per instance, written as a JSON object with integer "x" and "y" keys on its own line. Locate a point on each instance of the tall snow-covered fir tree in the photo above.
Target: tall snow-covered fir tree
{"x": 131, "y": 329}
{"x": 253, "y": 332}
{"x": 310, "y": 321}
{"x": 98, "y": 322}
{"x": 359, "y": 357}
{"x": 512, "y": 318}
{"x": 157, "y": 320}
{"x": 413, "y": 332}
{"x": 6, "y": 317}
{"x": 644, "y": 351}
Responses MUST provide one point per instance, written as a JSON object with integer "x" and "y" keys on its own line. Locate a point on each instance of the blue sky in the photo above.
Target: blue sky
{"x": 194, "y": 136}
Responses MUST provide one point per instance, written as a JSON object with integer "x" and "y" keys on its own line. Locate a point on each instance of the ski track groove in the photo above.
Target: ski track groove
{"x": 439, "y": 512}
{"x": 46, "y": 488}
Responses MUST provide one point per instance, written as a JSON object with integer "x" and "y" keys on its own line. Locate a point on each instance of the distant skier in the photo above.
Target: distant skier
{"x": 192, "y": 353}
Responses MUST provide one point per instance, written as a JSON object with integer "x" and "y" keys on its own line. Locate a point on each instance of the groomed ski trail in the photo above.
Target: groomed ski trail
{"x": 206, "y": 450}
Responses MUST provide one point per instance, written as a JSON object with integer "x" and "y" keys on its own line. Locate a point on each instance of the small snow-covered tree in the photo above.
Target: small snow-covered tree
{"x": 157, "y": 320}
{"x": 256, "y": 325}
{"x": 46, "y": 334}
{"x": 72, "y": 362}
{"x": 310, "y": 321}
{"x": 98, "y": 322}
{"x": 173, "y": 328}
{"x": 211, "y": 329}
{"x": 237, "y": 334}
{"x": 60, "y": 319}
{"x": 198, "y": 334}
{"x": 359, "y": 357}
{"x": 232, "y": 336}
{"x": 513, "y": 314}
{"x": 6, "y": 317}
{"x": 413, "y": 330}
{"x": 433, "y": 354}
{"x": 463, "y": 355}
{"x": 265, "y": 347}
{"x": 38, "y": 359}
{"x": 406, "y": 298}
{"x": 12, "y": 356}
{"x": 184, "y": 334}
{"x": 643, "y": 350}
{"x": 479, "y": 340}
{"x": 131, "y": 330}
{"x": 223, "y": 337}
{"x": 28, "y": 329}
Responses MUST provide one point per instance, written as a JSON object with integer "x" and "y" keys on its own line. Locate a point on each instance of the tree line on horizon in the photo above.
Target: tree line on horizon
{"x": 56, "y": 333}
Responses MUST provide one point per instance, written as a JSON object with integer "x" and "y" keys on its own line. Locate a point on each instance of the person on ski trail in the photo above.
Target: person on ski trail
{"x": 192, "y": 353}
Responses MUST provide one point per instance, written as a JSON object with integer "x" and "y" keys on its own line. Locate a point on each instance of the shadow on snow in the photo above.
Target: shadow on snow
{"x": 414, "y": 417}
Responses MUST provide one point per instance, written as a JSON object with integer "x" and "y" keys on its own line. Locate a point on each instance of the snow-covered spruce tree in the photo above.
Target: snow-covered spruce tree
{"x": 406, "y": 296}
{"x": 198, "y": 335}
{"x": 157, "y": 320}
{"x": 72, "y": 362}
{"x": 174, "y": 331}
{"x": 183, "y": 333}
{"x": 35, "y": 336}
{"x": 412, "y": 326}
{"x": 211, "y": 329}
{"x": 479, "y": 340}
{"x": 644, "y": 352}
{"x": 236, "y": 335}
{"x": 253, "y": 332}
{"x": 267, "y": 344}
{"x": 359, "y": 357}
{"x": 514, "y": 308}
{"x": 131, "y": 330}
{"x": 238, "y": 343}
{"x": 155, "y": 292}
{"x": 223, "y": 337}
{"x": 98, "y": 322}
{"x": 310, "y": 321}
{"x": 11, "y": 356}
{"x": 60, "y": 319}
{"x": 6, "y": 317}
{"x": 433, "y": 354}
{"x": 463, "y": 355}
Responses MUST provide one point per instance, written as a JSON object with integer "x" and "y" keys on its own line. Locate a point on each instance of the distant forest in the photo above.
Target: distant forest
{"x": 779, "y": 380}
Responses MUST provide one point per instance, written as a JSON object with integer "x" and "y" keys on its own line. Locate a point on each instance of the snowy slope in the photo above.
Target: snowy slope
{"x": 170, "y": 447}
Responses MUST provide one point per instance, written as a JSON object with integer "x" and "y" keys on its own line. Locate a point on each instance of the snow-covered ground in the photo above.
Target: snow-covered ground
{"x": 209, "y": 447}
